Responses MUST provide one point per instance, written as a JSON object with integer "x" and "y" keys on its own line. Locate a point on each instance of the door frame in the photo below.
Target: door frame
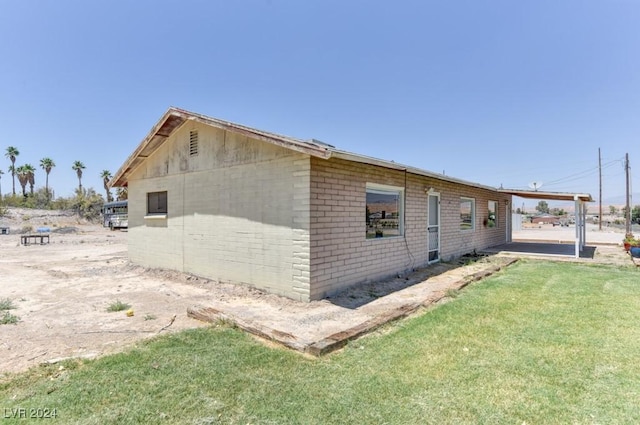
{"x": 438, "y": 249}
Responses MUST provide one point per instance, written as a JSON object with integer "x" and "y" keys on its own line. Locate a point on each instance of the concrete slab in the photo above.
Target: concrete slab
{"x": 541, "y": 248}
{"x": 321, "y": 327}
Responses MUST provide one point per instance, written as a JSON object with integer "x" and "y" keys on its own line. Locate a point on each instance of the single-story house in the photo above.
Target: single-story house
{"x": 298, "y": 218}
{"x": 546, "y": 219}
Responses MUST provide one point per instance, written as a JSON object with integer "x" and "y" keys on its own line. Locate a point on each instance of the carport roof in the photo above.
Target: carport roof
{"x": 554, "y": 196}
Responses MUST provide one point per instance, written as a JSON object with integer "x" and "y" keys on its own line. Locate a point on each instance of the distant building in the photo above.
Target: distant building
{"x": 545, "y": 219}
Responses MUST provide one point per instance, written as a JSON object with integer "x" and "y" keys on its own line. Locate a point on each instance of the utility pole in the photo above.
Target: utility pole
{"x": 628, "y": 211}
{"x": 600, "y": 196}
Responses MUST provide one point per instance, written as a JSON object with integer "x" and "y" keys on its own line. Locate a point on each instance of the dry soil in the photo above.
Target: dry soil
{"x": 62, "y": 290}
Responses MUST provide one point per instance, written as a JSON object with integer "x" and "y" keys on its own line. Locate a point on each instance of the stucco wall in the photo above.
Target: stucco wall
{"x": 237, "y": 212}
{"x": 341, "y": 255}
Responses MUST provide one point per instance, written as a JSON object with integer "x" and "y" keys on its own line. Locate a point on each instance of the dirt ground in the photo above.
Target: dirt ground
{"x": 61, "y": 292}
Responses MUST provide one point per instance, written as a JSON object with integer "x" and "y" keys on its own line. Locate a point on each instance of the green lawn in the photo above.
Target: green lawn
{"x": 537, "y": 343}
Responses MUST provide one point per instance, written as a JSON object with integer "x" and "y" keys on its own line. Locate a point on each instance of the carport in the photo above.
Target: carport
{"x": 580, "y": 200}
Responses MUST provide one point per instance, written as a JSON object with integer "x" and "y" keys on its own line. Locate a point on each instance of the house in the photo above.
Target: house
{"x": 546, "y": 219}
{"x": 298, "y": 218}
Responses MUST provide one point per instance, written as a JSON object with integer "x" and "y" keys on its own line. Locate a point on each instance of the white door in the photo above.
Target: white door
{"x": 433, "y": 227}
{"x": 508, "y": 215}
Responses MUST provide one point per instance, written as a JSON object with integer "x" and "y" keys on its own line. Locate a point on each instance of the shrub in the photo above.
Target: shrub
{"x": 88, "y": 204}
{"x": 118, "y": 306}
{"x": 9, "y": 319}
{"x": 6, "y": 304}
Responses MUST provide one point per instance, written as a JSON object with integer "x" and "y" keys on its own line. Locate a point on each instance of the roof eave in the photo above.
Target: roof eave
{"x": 552, "y": 196}
{"x": 175, "y": 117}
{"x": 412, "y": 170}
{"x": 168, "y": 123}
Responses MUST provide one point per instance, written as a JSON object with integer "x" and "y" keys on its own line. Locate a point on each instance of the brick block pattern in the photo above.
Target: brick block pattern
{"x": 341, "y": 256}
{"x": 238, "y": 212}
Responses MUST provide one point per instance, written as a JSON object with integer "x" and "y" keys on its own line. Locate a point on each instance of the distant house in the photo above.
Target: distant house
{"x": 545, "y": 219}
{"x": 293, "y": 217}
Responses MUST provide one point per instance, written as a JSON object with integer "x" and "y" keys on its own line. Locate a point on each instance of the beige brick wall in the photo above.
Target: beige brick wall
{"x": 341, "y": 256}
{"x": 237, "y": 212}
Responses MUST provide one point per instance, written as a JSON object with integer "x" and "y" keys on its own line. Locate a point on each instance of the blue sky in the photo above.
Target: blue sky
{"x": 496, "y": 92}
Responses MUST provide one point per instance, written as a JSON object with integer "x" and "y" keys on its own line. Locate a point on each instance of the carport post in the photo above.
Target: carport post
{"x": 584, "y": 221}
{"x": 578, "y": 214}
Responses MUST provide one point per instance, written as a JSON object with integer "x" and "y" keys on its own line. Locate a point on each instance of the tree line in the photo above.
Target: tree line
{"x": 25, "y": 175}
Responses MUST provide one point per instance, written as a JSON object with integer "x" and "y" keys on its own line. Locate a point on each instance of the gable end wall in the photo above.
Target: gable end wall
{"x": 238, "y": 212}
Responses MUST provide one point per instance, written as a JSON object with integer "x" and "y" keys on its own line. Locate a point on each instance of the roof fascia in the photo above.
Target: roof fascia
{"x": 348, "y": 156}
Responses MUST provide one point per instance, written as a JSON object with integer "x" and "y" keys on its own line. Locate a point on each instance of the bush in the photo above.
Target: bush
{"x": 88, "y": 204}
{"x": 118, "y": 306}
{"x": 6, "y": 304}
{"x": 9, "y": 319}
{"x": 13, "y": 200}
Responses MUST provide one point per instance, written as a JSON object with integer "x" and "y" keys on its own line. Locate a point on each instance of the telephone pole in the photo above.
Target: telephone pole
{"x": 628, "y": 210}
{"x": 600, "y": 196}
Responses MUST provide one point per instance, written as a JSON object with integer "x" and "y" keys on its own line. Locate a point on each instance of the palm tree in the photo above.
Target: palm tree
{"x": 78, "y": 166}
{"x": 122, "y": 193}
{"x": 12, "y": 153}
{"x": 47, "y": 164}
{"x": 31, "y": 176}
{"x": 1, "y": 173}
{"x": 23, "y": 177}
{"x": 106, "y": 176}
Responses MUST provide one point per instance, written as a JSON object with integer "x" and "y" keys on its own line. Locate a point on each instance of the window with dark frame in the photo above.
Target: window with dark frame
{"x": 384, "y": 211}
{"x": 157, "y": 203}
{"x": 467, "y": 213}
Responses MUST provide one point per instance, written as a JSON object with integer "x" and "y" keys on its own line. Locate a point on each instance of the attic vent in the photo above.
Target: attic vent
{"x": 193, "y": 143}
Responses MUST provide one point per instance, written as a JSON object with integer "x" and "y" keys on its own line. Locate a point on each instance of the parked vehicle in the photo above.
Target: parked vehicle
{"x": 116, "y": 215}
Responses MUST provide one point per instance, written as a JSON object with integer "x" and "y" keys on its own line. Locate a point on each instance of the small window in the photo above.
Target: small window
{"x": 492, "y": 219}
{"x": 157, "y": 202}
{"x": 467, "y": 213}
{"x": 193, "y": 143}
{"x": 384, "y": 211}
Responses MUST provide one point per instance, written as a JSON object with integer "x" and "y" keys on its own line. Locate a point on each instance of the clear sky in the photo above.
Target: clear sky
{"x": 499, "y": 92}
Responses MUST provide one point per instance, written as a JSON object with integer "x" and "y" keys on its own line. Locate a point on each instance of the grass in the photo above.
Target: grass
{"x": 118, "y": 306}
{"x": 538, "y": 343}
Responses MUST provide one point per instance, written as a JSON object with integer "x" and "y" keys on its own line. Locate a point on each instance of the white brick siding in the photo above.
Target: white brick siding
{"x": 237, "y": 212}
{"x": 341, "y": 256}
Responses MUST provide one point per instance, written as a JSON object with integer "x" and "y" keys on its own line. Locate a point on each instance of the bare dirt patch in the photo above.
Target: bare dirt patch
{"x": 62, "y": 290}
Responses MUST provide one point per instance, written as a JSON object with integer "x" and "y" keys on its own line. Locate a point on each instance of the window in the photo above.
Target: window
{"x": 157, "y": 202}
{"x": 384, "y": 211}
{"x": 193, "y": 143}
{"x": 467, "y": 213}
{"x": 492, "y": 219}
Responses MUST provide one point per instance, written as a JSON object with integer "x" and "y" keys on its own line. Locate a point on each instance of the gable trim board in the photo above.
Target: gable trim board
{"x": 281, "y": 214}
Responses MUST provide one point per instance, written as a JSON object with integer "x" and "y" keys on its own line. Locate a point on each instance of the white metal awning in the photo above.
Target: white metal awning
{"x": 580, "y": 200}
